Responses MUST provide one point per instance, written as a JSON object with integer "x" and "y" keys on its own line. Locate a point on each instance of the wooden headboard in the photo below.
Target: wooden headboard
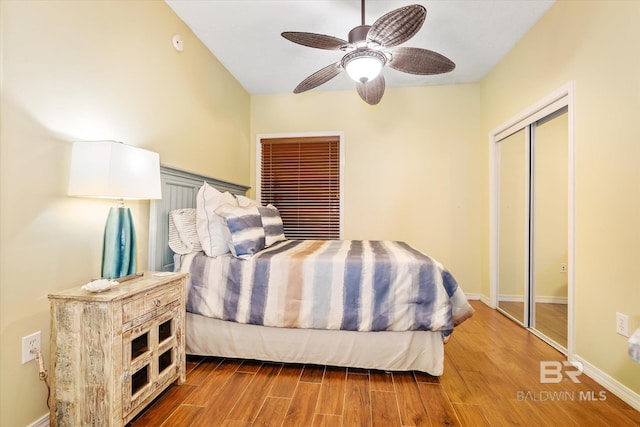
{"x": 179, "y": 190}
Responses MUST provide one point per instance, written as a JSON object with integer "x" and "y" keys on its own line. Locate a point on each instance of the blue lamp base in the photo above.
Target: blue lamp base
{"x": 119, "y": 247}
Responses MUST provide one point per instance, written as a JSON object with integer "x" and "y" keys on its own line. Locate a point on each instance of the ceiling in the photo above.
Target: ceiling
{"x": 245, "y": 36}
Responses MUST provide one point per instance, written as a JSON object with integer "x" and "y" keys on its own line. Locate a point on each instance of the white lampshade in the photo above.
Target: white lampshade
{"x": 111, "y": 169}
{"x": 363, "y": 65}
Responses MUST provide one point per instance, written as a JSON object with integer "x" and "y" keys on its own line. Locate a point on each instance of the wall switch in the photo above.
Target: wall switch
{"x": 563, "y": 268}
{"x": 30, "y": 342}
{"x": 622, "y": 324}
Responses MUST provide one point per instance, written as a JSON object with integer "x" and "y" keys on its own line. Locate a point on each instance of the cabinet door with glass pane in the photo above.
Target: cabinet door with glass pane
{"x": 150, "y": 358}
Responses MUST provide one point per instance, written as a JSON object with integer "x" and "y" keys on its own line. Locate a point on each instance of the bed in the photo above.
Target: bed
{"x": 406, "y": 329}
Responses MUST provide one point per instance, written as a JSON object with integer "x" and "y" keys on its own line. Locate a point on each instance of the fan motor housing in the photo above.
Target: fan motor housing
{"x": 359, "y": 34}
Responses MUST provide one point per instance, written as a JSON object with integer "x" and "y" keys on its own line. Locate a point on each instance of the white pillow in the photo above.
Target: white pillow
{"x": 245, "y": 202}
{"x": 209, "y": 225}
{"x": 183, "y": 235}
{"x": 244, "y": 232}
{"x": 272, "y": 223}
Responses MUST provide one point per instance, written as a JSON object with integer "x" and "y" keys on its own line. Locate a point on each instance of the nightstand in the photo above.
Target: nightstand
{"x": 113, "y": 352}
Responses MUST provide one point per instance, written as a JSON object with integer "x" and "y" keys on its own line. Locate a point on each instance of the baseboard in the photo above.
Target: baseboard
{"x": 479, "y": 297}
{"x": 473, "y": 296}
{"x": 510, "y": 298}
{"x": 516, "y": 298}
{"x": 611, "y": 384}
{"x": 486, "y": 300}
{"x": 553, "y": 300}
{"x": 542, "y": 299}
{"x": 41, "y": 422}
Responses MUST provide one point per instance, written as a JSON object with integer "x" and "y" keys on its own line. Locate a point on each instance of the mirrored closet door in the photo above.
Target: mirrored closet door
{"x": 549, "y": 223}
{"x": 513, "y": 228}
{"x": 532, "y": 225}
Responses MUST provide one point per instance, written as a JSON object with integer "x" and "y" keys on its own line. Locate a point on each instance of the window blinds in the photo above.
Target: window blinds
{"x": 301, "y": 177}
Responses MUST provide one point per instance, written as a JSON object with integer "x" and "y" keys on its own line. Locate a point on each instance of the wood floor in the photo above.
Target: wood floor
{"x": 491, "y": 378}
{"x": 551, "y": 319}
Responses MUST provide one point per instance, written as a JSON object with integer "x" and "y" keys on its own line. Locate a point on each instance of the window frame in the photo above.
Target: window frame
{"x": 258, "y": 164}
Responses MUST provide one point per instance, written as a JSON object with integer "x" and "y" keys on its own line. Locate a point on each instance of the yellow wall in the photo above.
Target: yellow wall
{"x": 88, "y": 70}
{"x": 595, "y": 44}
{"x": 413, "y": 165}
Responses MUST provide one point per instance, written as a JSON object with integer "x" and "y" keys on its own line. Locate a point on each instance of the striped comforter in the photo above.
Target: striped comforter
{"x": 328, "y": 284}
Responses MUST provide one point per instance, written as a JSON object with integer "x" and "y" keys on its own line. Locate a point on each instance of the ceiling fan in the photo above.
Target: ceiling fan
{"x": 370, "y": 48}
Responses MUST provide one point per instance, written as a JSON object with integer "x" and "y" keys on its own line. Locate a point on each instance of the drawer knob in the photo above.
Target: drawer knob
{"x": 156, "y": 302}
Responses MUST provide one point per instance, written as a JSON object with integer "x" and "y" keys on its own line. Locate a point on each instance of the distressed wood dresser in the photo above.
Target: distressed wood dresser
{"x": 113, "y": 352}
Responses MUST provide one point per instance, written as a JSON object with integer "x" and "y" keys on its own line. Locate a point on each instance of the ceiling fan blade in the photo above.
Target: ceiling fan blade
{"x": 414, "y": 60}
{"x": 371, "y": 92}
{"x": 319, "y": 77}
{"x": 319, "y": 41}
{"x": 397, "y": 26}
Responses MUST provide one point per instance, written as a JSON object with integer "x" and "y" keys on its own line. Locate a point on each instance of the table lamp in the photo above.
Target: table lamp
{"x": 110, "y": 169}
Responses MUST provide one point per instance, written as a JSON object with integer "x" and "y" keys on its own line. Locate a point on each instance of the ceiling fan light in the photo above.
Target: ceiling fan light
{"x": 363, "y": 65}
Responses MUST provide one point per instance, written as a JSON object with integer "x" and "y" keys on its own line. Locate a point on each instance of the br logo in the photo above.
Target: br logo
{"x": 553, "y": 371}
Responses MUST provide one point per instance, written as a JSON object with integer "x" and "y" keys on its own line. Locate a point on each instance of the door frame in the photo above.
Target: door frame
{"x": 562, "y": 97}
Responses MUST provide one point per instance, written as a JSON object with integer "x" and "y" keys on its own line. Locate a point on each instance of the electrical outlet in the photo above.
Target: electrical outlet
{"x": 30, "y": 342}
{"x": 563, "y": 268}
{"x": 622, "y": 324}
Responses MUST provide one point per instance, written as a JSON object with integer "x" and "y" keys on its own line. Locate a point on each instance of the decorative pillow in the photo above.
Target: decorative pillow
{"x": 244, "y": 227}
{"x": 183, "y": 236}
{"x": 209, "y": 226}
{"x": 175, "y": 242}
{"x": 272, "y": 223}
{"x": 244, "y": 201}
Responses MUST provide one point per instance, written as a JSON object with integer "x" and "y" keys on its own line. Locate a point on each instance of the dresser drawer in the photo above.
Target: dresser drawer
{"x": 157, "y": 300}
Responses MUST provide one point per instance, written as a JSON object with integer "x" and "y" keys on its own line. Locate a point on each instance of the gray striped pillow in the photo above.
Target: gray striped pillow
{"x": 244, "y": 227}
{"x": 272, "y": 223}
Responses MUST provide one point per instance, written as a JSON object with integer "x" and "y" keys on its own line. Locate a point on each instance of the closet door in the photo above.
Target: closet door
{"x": 513, "y": 225}
{"x": 533, "y": 230}
{"x": 549, "y": 224}
{"x": 533, "y": 219}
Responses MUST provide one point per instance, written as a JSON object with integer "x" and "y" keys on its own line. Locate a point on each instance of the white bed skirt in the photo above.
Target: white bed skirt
{"x": 389, "y": 351}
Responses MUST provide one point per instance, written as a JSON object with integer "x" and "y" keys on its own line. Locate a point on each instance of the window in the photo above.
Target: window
{"x": 301, "y": 176}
